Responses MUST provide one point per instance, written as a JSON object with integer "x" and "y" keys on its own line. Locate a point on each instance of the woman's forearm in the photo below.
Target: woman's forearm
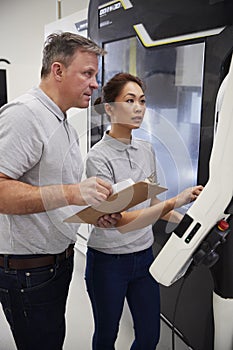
{"x": 137, "y": 219}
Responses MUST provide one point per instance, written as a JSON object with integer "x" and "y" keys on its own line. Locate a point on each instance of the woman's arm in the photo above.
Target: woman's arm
{"x": 172, "y": 216}
{"x": 138, "y": 219}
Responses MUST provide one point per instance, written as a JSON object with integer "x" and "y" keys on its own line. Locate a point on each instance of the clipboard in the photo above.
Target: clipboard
{"x": 118, "y": 202}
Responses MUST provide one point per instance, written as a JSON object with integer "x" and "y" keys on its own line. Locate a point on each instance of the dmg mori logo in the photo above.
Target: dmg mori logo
{"x": 109, "y": 9}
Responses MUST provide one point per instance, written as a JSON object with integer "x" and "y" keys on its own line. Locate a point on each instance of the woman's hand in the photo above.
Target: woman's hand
{"x": 188, "y": 195}
{"x": 108, "y": 220}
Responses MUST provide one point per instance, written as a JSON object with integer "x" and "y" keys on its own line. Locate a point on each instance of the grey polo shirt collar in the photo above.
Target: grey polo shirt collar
{"x": 48, "y": 103}
{"x": 118, "y": 145}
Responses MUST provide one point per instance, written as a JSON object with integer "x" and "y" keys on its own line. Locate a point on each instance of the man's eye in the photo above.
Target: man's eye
{"x": 88, "y": 74}
{"x": 143, "y": 102}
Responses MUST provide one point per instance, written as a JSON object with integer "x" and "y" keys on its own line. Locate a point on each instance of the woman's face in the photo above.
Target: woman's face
{"x": 129, "y": 107}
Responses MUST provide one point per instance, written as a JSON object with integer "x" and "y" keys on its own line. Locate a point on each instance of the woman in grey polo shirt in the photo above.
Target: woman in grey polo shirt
{"x": 118, "y": 264}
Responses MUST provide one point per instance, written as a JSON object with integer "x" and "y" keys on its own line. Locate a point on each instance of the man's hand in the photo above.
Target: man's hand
{"x": 93, "y": 191}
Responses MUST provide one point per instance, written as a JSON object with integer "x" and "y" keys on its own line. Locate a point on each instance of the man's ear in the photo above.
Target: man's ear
{"x": 57, "y": 70}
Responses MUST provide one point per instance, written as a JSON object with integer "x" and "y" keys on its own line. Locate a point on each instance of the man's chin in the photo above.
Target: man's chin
{"x": 84, "y": 105}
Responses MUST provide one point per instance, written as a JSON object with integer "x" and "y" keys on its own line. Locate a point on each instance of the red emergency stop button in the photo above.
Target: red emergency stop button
{"x": 223, "y": 225}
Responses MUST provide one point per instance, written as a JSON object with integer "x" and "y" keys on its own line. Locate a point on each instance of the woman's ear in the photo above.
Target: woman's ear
{"x": 108, "y": 108}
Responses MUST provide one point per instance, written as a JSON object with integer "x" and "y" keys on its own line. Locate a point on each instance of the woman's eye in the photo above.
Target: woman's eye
{"x": 130, "y": 100}
{"x": 143, "y": 102}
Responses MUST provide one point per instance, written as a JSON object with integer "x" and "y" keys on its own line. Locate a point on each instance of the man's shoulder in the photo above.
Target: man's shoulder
{"x": 19, "y": 102}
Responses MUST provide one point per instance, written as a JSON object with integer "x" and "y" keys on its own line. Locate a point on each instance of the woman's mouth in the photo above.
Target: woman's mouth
{"x": 137, "y": 119}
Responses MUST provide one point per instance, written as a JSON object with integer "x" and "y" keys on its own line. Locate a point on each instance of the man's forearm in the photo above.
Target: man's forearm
{"x": 20, "y": 199}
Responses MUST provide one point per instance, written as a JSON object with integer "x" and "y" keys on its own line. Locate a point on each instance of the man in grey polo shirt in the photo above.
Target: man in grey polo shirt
{"x": 40, "y": 172}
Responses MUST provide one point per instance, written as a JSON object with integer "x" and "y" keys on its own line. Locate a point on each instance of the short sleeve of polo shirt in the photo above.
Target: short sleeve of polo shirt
{"x": 96, "y": 166}
{"x": 20, "y": 141}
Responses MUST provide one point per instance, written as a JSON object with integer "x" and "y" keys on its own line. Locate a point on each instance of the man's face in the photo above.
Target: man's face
{"x": 79, "y": 80}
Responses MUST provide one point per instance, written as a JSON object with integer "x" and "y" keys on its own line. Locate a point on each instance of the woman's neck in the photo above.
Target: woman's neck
{"x": 120, "y": 133}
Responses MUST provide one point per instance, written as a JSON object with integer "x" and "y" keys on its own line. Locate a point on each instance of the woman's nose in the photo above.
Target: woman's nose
{"x": 137, "y": 107}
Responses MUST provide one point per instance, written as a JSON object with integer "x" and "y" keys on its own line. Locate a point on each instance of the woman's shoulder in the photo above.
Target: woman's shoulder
{"x": 97, "y": 146}
{"x": 143, "y": 143}
{"x": 97, "y": 150}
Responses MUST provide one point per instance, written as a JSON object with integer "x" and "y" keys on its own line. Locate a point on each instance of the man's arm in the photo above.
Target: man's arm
{"x": 20, "y": 198}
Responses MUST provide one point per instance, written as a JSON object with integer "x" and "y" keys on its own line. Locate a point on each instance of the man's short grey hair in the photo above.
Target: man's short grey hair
{"x": 61, "y": 47}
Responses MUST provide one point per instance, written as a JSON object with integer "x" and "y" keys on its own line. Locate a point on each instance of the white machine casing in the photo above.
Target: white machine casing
{"x": 175, "y": 257}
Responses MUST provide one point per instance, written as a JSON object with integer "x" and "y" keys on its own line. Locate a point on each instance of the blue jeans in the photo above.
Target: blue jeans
{"x": 110, "y": 278}
{"x": 34, "y": 302}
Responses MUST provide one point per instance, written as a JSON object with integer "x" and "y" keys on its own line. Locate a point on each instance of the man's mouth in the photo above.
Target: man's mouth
{"x": 88, "y": 96}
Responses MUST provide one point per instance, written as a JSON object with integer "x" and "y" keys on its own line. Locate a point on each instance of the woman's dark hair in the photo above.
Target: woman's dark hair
{"x": 113, "y": 88}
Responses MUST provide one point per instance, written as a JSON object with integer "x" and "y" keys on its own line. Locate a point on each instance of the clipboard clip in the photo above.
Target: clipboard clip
{"x": 151, "y": 178}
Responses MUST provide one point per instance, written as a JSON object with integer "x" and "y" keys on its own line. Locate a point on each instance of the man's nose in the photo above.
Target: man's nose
{"x": 94, "y": 84}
